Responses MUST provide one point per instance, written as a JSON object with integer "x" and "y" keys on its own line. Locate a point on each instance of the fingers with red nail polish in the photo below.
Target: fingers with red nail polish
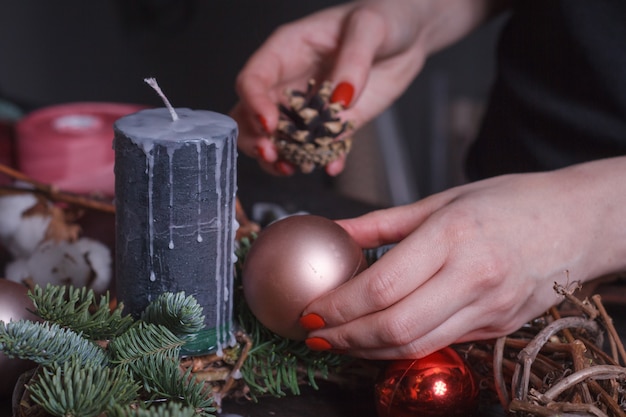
{"x": 263, "y": 121}
{"x": 343, "y": 94}
{"x": 284, "y": 168}
{"x": 260, "y": 152}
{"x": 312, "y": 322}
{"x": 318, "y": 344}
{"x": 335, "y": 167}
{"x": 266, "y": 151}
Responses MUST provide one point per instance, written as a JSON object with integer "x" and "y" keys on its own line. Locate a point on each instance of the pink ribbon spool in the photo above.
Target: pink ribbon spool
{"x": 71, "y": 145}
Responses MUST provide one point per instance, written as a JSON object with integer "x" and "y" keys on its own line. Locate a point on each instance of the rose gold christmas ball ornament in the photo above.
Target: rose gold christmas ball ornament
{"x": 292, "y": 262}
{"x": 14, "y": 305}
{"x": 438, "y": 385}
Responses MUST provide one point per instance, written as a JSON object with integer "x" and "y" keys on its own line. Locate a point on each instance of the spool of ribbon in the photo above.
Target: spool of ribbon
{"x": 70, "y": 145}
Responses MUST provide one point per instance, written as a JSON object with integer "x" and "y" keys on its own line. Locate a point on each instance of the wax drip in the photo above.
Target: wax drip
{"x": 152, "y": 82}
{"x": 170, "y": 157}
{"x": 218, "y": 271}
{"x": 199, "y": 150}
{"x": 228, "y": 297}
{"x": 150, "y": 160}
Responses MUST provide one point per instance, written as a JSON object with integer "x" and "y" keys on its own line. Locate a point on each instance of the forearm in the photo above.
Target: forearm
{"x": 446, "y": 22}
{"x": 598, "y": 209}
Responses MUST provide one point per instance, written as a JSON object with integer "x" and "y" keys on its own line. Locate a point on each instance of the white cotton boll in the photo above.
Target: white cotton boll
{"x": 17, "y": 271}
{"x": 57, "y": 263}
{"x": 11, "y": 209}
{"x": 21, "y": 235}
{"x": 29, "y": 234}
{"x": 98, "y": 256}
{"x": 83, "y": 263}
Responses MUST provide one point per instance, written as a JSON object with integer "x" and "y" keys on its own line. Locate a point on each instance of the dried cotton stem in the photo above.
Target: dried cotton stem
{"x": 54, "y": 194}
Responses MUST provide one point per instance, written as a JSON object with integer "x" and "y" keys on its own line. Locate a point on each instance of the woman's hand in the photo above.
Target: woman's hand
{"x": 371, "y": 50}
{"x": 475, "y": 262}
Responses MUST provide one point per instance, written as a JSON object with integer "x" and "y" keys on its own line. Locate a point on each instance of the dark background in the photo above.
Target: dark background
{"x": 76, "y": 50}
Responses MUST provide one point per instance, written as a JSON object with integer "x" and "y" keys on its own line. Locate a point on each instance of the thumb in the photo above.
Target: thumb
{"x": 391, "y": 225}
{"x": 382, "y": 227}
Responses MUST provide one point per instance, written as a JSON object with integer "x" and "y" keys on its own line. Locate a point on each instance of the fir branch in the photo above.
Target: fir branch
{"x": 181, "y": 315}
{"x": 75, "y": 389}
{"x": 278, "y": 365}
{"x": 167, "y": 409}
{"x": 163, "y": 379}
{"x": 159, "y": 374}
{"x": 78, "y": 309}
{"x": 145, "y": 354}
{"x": 47, "y": 343}
{"x": 143, "y": 340}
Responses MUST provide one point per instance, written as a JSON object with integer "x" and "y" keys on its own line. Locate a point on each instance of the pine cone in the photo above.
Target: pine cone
{"x": 309, "y": 131}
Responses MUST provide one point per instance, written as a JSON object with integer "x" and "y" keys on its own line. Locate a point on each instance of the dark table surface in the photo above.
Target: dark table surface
{"x": 328, "y": 401}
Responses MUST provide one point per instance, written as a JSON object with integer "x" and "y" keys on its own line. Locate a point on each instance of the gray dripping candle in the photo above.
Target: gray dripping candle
{"x": 175, "y": 191}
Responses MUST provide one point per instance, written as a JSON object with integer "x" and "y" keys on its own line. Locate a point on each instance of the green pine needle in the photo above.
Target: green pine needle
{"x": 163, "y": 379}
{"x": 47, "y": 343}
{"x": 78, "y": 309}
{"x": 181, "y": 315}
{"x": 167, "y": 409}
{"x": 82, "y": 390}
{"x": 143, "y": 340}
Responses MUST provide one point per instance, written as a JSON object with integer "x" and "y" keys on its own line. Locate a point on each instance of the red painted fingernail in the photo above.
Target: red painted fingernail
{"x": 343, "y": 94}
{"x": 312, "y": 321}
{"x": 260, "y": 151}
{"x": 317, "y": 343}
{"x": 285, "y": 168}
{"x": 263, "y": 122}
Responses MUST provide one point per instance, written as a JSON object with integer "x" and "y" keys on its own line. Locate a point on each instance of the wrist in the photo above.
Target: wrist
{"x": 599, "y": 204}
{"x": 448, "y": 21}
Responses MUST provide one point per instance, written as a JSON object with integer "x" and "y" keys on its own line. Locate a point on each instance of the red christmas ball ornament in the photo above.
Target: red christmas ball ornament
{"x": 14, "y": 305}
{"x": 438, "y": 385}
{"x": 292, "y": 262}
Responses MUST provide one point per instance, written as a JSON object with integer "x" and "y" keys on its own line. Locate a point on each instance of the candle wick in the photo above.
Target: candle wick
{"x": 153, "y": 83}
